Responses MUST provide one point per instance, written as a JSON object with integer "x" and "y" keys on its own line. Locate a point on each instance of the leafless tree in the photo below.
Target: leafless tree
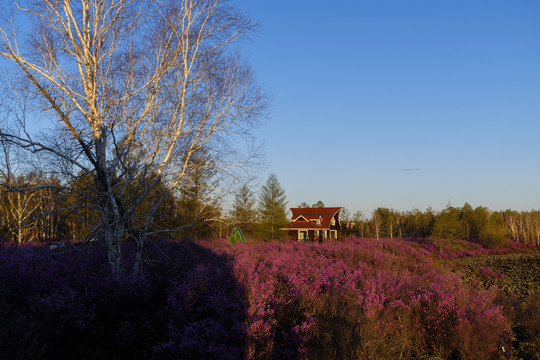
{"x": 376, "y": 223}
{"x": 511, "y": 221}
{"x": 133, "y": 89}
{"x": 360, "y": 220}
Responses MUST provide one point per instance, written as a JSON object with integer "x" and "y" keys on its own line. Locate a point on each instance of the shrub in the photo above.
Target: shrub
{"x": 493, "y": 237}
{"x": 365, "y": 299}
{"x": 65, "y": 305}
{"x": 528, "y": 329}
{"x": 351, "y": 299}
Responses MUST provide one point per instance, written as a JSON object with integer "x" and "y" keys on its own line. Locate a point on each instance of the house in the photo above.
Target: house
{"x": 314, "y": 224}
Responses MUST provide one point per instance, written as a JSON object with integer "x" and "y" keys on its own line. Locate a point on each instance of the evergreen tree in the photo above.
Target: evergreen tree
{"x": 243, "y": 212}
{"x": 448, "y": 225}
{"x": 468, "y": 218}
{"x": 474, "y": 221}
{"x": 198, "y": 209}
{"x": 272, "y": 211}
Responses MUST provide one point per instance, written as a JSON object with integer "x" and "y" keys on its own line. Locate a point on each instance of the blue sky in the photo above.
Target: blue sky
{"x": 401, "y": 104}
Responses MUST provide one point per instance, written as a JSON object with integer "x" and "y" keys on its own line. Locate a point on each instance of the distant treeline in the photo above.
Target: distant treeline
{"x": 36, "y": 207}
{"x": 480, "y": 223}
{"x": 38, "y": 210}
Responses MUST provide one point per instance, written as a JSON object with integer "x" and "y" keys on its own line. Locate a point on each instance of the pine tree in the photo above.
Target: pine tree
{"x": 198, "y": 209}
{"x": 243, "y": 212}
{"x": 272, "y": 211}
{"x": 448, "y": 225}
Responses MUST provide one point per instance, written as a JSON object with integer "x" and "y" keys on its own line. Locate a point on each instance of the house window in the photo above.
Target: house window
{"x": 333, "y": 221}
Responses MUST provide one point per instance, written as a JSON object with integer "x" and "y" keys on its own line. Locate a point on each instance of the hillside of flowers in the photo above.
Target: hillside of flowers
{"x": 352, "y": 299}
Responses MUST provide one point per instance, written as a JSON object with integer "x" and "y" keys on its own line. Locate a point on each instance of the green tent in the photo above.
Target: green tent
{"x": 237, "y": 236}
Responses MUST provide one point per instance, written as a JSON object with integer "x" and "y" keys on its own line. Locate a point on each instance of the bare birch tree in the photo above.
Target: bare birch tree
{"x": 376, "y": 223}
{"x": 133, "y": 89}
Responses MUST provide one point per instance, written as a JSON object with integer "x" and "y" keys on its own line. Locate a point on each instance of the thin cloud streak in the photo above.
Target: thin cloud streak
{"x": 409, "y": 169}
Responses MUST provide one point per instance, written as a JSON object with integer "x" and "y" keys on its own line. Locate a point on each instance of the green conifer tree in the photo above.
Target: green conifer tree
{"x": 272, "y": 209}
{"x": 244, "y": 213}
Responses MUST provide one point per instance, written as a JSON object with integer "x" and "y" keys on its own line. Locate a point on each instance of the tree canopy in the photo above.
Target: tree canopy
{"x": 132, "y": 90}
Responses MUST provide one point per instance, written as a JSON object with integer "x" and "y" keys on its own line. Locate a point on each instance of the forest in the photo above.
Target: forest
{"x": 480, "y": 223}
{"x": 38, "y": 212}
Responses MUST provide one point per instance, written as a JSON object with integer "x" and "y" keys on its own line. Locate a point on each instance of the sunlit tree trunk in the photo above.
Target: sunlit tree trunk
{"x": 376, "y": 224}
{"x": 135, "y": 89}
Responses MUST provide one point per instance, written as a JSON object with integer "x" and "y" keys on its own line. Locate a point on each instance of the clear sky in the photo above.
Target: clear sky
{"x": 401, "y": 104}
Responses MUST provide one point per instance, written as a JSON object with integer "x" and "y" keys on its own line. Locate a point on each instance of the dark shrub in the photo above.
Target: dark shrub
{"x": 65, "y": 305}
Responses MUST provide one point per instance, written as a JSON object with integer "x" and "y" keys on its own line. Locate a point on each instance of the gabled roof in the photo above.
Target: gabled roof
{"x": 308, "y": 217}
{"x": 300, "y": 218}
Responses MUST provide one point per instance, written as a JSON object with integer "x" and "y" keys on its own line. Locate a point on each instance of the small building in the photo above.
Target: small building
{"x": 314, "y": 224}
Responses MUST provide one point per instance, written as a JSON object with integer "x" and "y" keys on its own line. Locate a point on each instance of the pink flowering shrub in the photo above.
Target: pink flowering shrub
{"x": 489, "y": 273}
{"x": 205, "y": 317}
{"x": 186, "y": 304}
{"x": 352, "y": 299}
{"x": 361, "y": 299}
{"x": 455, "y": 249}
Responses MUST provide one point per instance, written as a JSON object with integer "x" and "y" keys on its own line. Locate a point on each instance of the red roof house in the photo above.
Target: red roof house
{"x": 314, "y": 224}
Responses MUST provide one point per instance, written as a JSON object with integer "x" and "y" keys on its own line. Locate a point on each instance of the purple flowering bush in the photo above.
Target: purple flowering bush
{"x": 65, "y": 304}
{"x": 352, "y": 299}
{"x": 489, "y": 273}
{"x": 362, "y": 299}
